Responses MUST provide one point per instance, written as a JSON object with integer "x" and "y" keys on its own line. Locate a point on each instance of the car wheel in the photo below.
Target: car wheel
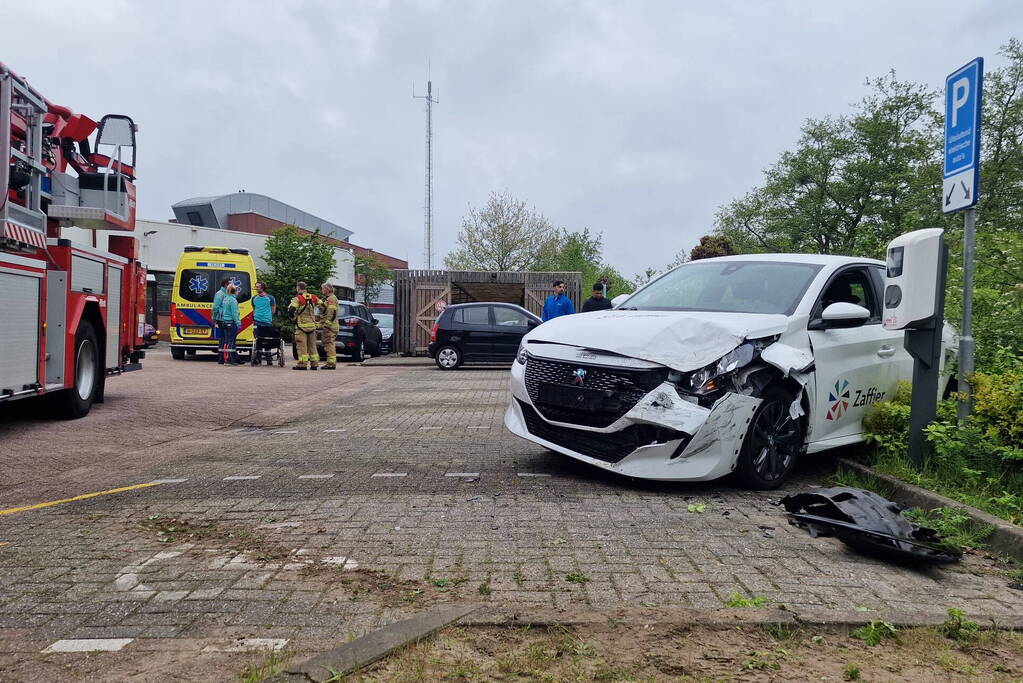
{"x": 359, "y": 352}
{"x": 88, "y": 374}
{"x": 772, "y": 443}
{"x": 448, "y": 358}
{"x": 177, "y": 354}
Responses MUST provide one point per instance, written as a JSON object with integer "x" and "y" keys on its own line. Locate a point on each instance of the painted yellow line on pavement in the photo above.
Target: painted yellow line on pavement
{"x": 11, "y": 511}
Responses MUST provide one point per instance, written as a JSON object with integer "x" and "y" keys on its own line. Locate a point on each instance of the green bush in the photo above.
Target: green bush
{"x": 980, "y": 462}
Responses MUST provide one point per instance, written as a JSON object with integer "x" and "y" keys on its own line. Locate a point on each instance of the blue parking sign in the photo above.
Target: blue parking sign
{"x": 963, "y": 102}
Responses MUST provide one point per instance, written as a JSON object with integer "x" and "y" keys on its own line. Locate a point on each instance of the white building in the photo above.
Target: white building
{"x": 161, "y": 243}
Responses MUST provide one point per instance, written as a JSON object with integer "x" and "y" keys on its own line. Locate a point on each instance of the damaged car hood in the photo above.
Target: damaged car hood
{"x": 681, "y": 340}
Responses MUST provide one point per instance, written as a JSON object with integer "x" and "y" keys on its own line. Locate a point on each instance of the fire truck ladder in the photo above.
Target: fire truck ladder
{"x": 22, "y": 226}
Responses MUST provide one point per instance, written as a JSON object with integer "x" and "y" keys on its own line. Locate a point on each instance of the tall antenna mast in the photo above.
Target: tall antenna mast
{"x": 428, "y": 209}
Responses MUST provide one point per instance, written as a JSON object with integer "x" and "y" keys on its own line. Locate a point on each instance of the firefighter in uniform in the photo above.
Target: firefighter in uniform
{"x": 302, "y": 310}
{"x": 329, "y": 325}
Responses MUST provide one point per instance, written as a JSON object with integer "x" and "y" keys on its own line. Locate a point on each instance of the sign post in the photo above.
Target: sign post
{"x": 960, "y": 189}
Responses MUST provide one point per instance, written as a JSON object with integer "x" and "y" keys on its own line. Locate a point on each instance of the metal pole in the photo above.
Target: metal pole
{"x": 966, "y": 340}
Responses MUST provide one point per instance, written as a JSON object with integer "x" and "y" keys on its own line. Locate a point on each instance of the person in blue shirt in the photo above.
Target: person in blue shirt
{"x": 218, "y": 303}
{"x": 557, "y": 304}
{"x": 264, "y": 305}
{"x": 230, "y": 322}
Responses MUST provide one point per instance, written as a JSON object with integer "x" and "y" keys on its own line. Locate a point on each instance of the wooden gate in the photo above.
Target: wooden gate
{"x": 417, "y": 292}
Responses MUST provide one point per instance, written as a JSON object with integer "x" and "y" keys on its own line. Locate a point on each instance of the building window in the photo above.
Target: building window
{"x": 194, "y": 218}
{"x": 164, "y": 288}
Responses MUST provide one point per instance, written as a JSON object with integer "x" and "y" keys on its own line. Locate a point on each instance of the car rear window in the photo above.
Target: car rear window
{"x": 200, "y": 285}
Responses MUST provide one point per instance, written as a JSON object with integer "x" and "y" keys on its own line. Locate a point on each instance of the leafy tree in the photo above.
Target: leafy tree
{"x": 854, "y": 182}
{"x": 583, "y": 252}
{"x": 504, "y": 234}
{"x": 292, "y": 256}
{"x": 371, "y": 274}
{"x": 711, "y": 246}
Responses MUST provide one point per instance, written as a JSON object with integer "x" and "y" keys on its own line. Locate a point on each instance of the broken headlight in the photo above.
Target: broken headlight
{"x": 522, "y": 355}
{"x": 708, "y": 379}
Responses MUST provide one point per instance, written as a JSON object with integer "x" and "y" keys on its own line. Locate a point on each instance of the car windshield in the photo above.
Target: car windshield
{"x": 728, "y": 286}
{"x": 384, "y": 319}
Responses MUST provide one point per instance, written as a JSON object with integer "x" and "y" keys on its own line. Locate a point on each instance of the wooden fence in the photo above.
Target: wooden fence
{"x": 417, "y": 293}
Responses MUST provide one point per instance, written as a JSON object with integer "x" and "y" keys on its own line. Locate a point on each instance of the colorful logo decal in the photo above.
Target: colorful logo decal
{"x": 839, "y": 400}
{"x": 580, "y": 375}
{"x": 237, "y": 282}
{"x": 198, "y": 284}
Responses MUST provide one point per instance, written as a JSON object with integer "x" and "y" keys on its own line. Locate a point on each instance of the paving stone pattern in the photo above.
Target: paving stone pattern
{"x": 291, "y": 552}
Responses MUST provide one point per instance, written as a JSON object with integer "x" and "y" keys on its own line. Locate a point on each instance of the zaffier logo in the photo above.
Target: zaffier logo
{"x": 579, "y": 375}
{"x": 839, "y": 400}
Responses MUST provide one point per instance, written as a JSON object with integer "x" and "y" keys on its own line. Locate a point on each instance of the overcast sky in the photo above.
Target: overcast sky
{"x": 634, "y": 119}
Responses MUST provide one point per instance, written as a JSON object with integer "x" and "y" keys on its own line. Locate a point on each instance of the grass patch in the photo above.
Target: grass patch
{"x": 656, "y": 652}
{"x": 953, "y": 524}
{"x": 273, "y": 662}
{"x": 737, "y": 600}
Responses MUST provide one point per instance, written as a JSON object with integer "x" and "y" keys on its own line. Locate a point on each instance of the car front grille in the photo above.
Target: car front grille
{"x": 610, "y": 447}
{"x": 623, "y": 388}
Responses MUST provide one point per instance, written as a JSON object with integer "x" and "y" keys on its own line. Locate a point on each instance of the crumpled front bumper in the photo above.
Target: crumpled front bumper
{"x": 716, "y": 433}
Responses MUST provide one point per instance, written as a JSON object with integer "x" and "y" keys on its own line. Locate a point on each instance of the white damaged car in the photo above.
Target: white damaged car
{"x": 734, "y": 364}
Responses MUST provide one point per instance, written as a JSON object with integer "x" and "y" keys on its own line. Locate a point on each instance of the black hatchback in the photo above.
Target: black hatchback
{"x": 479, "y": 332}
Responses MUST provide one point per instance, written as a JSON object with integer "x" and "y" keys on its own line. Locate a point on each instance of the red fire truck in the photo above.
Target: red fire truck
{"x": 71, "y": 315}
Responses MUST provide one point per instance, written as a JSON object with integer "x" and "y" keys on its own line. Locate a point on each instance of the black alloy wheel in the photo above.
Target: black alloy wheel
{"x": 772, "y": 443}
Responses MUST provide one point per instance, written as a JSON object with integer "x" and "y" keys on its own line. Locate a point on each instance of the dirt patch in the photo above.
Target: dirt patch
{"x": 660, "y": 652}
{"x": 171, "y": 530}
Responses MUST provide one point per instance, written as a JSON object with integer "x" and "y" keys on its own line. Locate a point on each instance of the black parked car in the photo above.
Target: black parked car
{"x": 358, "y": 335}
{"x": 480, "y": 332}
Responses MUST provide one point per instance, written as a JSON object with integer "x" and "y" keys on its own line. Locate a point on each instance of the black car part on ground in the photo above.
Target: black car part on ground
{"x": 869, "y": 523}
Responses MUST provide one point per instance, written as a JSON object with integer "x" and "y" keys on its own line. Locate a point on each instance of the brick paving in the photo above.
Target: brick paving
{"x": 269, "y": 534}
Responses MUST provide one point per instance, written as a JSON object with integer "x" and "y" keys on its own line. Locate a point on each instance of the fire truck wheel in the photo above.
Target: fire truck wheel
{"x": 79, "y": 398}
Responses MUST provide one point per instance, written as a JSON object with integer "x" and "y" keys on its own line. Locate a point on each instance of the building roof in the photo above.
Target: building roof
{"x": 213, "y": 212}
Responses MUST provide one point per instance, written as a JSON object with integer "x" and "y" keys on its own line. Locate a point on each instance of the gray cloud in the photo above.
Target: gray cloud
{"x": 635, "y": 119}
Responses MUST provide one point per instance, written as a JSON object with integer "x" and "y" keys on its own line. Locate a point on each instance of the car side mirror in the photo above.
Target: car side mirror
{"x": 532, "y": 324}
{"x": 841, "y": 314}
{"x": 375, "y": 321}
{"x": 619, "y": 300}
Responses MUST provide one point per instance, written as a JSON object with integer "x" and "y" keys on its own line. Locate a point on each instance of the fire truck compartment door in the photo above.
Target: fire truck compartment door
{"x": 19, "y": 331}
{"x": 56, "y": 319}
{"x": 114, "y": 281}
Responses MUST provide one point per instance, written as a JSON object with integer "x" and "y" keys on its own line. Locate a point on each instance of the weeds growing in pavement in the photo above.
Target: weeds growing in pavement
{"x": 851, "y": 672}
{"x": 780, "y": 631}
{"x": 874, "y": 632}
{"x": 958, "y": 627}
{"x": 736, "y": 600}
{"x": 576, "y": 577}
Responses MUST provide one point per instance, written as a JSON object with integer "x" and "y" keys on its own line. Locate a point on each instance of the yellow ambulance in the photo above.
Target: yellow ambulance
{"x": 200, "y": 271}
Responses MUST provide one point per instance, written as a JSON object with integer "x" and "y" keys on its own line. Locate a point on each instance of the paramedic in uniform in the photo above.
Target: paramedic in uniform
{"x": 329, "y": 325}
{"x": 302, "y": 311}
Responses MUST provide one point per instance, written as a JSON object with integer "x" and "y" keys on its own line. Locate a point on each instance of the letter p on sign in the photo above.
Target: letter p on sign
{"x": 960, "y": 93}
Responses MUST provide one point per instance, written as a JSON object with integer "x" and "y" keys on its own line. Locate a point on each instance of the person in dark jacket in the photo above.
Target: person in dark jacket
{"x": 597, "y": 302}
